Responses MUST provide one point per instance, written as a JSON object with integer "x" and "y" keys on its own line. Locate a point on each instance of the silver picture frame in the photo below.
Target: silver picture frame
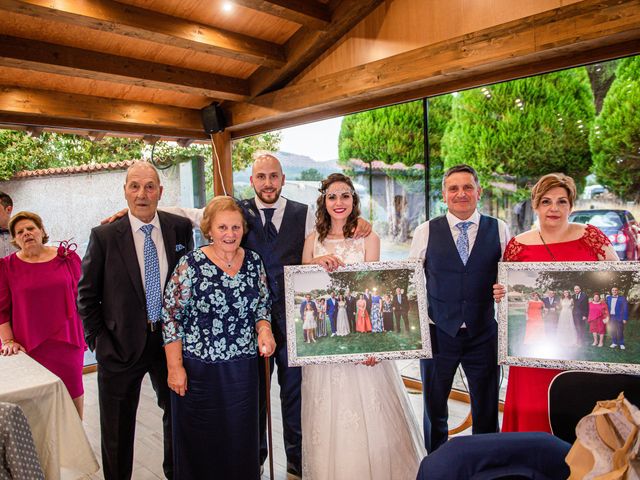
{"x": 357, "y": 346}
{"x": 527, "y": 338}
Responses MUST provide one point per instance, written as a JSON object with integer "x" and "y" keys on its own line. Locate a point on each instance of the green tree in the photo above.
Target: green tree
{"x": 310, "y": 174}
{"x": 19, "y": 151}
{"x": 615, "y": 136}
{"x": 391, "y": 135}
{"x": 523, "y": 128}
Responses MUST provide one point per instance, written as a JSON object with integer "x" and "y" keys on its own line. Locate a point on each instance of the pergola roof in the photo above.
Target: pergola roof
{"x": 147, "y": 67}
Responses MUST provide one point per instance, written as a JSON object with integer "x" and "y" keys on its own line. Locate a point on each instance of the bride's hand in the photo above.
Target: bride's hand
{"x": 328, "y": 262}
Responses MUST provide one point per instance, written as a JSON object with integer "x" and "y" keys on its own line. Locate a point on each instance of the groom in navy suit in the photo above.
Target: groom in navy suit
{"x": 618, "y": 316}
{"x": 332, "y": 311}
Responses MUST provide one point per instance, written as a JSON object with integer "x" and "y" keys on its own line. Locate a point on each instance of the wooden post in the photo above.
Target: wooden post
{"x": 222, "y": 142}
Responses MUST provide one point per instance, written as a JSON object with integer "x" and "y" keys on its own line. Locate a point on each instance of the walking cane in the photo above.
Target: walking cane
{"x": 267, "y": 382}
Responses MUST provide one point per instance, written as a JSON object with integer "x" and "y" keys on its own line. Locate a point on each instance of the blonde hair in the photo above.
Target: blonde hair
{"x": 34, "y": 217}
{"x": 214, "y": 207}
{"x": 549, "y": 182}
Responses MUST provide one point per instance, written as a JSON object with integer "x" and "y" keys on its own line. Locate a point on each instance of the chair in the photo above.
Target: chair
{"x": 572, "y": 395}
{"x": 492, "y": 456}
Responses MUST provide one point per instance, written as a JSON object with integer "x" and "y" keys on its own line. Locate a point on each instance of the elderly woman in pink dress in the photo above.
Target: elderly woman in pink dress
{"x": 38, "y": 314}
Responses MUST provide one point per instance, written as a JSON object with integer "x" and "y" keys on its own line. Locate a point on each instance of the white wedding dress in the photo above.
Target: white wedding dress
{"x": 566, "y": 332}
{"x": 357, "y": 422}
{"x": 342, "y": 320}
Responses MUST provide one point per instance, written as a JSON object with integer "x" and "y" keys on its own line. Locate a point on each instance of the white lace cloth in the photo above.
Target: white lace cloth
{"x": 566, "y": 332}
{"x": 357, "y": 422}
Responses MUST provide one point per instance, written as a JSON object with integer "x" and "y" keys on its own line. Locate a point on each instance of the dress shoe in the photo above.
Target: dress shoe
{"x": 295, "y": 470}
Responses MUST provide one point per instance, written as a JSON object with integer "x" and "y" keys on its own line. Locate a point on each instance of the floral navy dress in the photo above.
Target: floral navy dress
{"x": 215, "y": 425}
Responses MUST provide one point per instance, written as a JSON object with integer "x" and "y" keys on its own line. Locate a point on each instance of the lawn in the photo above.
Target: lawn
{"x": 586, "y": 351}
{"x": 358, "y": 342}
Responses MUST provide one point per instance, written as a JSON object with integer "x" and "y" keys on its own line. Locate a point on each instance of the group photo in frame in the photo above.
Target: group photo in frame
{"x": 570, "y": 315}
{"x": 362, "y": 310}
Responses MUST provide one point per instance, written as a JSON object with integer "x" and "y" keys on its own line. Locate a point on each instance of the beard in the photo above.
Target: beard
{"x": 269, "y": 202}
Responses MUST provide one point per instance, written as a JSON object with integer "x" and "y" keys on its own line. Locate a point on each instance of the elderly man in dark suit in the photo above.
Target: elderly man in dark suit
{"x": 119, "y": 299}
{"x": 580, "y": 312}
{"x": 400, "y": 309}
{"x": 551, "y": 314}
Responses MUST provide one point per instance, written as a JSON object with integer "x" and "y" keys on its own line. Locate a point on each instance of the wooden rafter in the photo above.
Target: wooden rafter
{"x": 22, "y": 106}
{"x": 306, "y": 45}
{"x": 562, "y": 32}
{"x": 310, "y": 13}
{"x": 114, "y": 17}
{"x": 58, "y": 59}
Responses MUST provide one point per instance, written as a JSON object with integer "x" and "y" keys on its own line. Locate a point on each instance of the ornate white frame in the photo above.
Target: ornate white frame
{"x": 418, "y": 280}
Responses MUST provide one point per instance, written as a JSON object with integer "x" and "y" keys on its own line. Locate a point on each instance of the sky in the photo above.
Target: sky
{"x": 318, "y": 140}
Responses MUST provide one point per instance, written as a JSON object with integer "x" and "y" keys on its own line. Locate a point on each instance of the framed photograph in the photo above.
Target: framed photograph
{"x": 570, "y": 315}
{"x": 374, "y": 309}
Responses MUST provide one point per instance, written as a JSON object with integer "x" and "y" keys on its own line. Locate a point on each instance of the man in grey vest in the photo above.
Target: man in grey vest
{"x": 461, "y": 251}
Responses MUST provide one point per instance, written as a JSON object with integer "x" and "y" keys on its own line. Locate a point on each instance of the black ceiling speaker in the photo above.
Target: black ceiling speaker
{"x": 213, "y": 118}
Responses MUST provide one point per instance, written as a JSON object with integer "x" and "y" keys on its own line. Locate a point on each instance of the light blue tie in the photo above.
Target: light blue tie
{"x": 151, "y": 275}
{"x": 462, "y": 244}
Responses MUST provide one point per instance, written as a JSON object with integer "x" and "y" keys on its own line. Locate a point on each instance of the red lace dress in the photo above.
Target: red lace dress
{"x": 526, "y": 404}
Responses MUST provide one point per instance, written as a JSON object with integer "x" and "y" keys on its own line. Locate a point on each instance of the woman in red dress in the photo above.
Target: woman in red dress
{"x": 534, "y": 332}
{"x": 557, "y": 240}
{"x": 598, "y": 315}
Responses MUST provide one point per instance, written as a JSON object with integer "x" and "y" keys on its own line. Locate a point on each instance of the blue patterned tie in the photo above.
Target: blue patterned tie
{"x": 462, "y": 244}
{"x": 270, "y": 231}
{"x": 151, "y": 275}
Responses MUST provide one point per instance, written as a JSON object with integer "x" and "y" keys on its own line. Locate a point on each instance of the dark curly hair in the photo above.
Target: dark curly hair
{"x": 323, "y": 220}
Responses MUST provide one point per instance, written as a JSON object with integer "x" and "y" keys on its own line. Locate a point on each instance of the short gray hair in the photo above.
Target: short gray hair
{"x": 464, "y": 168}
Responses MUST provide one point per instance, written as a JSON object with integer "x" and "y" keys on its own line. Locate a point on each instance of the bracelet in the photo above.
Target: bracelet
{"x": 7, "y": 341}
{"x": 263, "y": 327}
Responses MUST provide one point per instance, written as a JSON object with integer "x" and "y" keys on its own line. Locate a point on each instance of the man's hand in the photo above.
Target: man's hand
{"x": 115, "y": 216}
{"x": 499, "y": 292}
{"x": 363, "y": 229}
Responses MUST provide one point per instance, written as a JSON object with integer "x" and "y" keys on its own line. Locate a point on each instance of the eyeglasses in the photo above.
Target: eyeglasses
{"x": 344, "y": 195}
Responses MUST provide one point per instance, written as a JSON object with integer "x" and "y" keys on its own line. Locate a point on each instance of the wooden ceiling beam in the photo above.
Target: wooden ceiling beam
{"x": 49, "y": 58}
{"x": 307, "y": 45}
{"x": 310, "y": 13}
{"x": 570, "y": 30}
{"x": 113, "y": 17}
{"x": 22, "y": 106}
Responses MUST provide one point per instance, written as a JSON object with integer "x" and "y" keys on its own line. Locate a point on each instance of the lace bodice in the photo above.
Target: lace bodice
{"x": 566, "y": 303}
{"x": 349, "y": 250}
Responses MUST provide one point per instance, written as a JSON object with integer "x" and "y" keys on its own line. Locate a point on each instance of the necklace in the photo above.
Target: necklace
{"x": 546, "y": 246}
{"x": 227, "y": 263}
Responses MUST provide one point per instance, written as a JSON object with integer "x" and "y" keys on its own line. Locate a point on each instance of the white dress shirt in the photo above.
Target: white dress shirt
{"x": 156, "y": 236}
{"x": 195, "y": 214}
{"x": 421, "y": 234}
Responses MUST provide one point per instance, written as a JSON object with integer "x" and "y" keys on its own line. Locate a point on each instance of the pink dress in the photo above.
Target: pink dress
{"x": 526, "y": 405}
{"x": 39, "y": 299}
{"x": 597, "y": 313}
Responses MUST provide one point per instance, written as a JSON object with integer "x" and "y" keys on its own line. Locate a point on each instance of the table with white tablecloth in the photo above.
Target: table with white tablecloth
{"x": 58, "y": 434}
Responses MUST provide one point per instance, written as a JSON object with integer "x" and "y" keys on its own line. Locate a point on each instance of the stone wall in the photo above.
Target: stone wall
{"x": 70, "y": 205}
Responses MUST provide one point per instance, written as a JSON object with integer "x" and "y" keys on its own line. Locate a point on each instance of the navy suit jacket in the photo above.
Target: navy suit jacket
{"x": 622, "y": 308}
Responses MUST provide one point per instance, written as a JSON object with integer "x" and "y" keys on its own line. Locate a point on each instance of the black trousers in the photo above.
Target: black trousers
{"x": 400, "y": 315}
{"x": 290, "y": 381}
{"x": 119, "y": 394}
{"x": 478, "y": 356}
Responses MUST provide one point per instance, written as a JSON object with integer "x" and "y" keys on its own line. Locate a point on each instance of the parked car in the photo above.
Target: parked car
{"x": 619, "y": 225}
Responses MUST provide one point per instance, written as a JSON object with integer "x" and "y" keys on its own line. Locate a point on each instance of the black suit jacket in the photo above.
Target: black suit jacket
{"x": 111, "y": 299}
{"x": 400, "y": 307}
{"x": 581, "y": 306}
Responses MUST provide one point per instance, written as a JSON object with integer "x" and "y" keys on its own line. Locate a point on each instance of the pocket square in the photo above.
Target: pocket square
{"x": 179, "y": 247}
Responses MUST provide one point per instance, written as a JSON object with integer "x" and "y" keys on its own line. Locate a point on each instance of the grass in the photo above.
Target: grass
{"x": 358, "y": 342}
{"x": 586, "y": 351}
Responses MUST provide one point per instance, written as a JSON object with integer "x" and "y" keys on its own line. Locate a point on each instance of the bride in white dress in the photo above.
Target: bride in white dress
{"x": 357, "y": 422}
{"x": 566, "y": 332}
{"x": 342, "y": 320}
